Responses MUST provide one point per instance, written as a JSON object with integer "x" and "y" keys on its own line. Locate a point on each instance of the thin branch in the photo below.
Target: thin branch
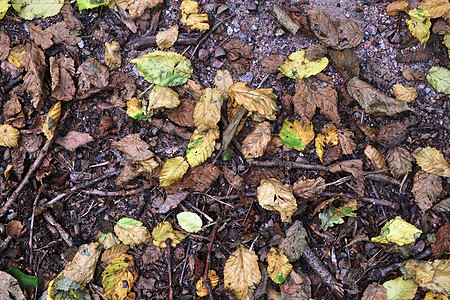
{"x": 30, "y": 241}
{"x": 118, "y": 193}
{"x": 62, "y": 232}
{"x": 169, "y": 267}
{"x": 208, "y": 34}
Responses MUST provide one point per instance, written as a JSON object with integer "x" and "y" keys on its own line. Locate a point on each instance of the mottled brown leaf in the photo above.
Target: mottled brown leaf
{"x": 378, "y": 161}
{"x": 127, "y": 175}
{"x": 93, "y": 77}
{"x": 113, "y": 59}
{"x": 33, "y": 81}
{"x": 183, "y": 114}
{"x": 306, "y": 188}
{"x": 63, "y": 34}
{"x": 14, "y": 228}
{"x": 442, "y": 244}
{"x": 295, "y": 242}
{"x": 40, "y": 37}
{"x": 375, "y": 291}
{"x": 413, "y": 74}
{"x": 256, "y": 142}
{"x": 233, "y": 179}
{"x": 355, "y": 167}
{"x": 346, "y": 142}
{"x": 12, "y": 107}
{"x": 74, "y": 139}
{"x": 271, "y": 63}
{"x": 314, "y": 52}
{"x": 426, "y": 189}
{"x": 165, "y": 39}
{"x": 5, "y": 44}
{"x": 200, "y": 178}
{"x": 62, "y": 70}
{"x": 134, "y": 147}
{"x": 400, "y": 161}
{"x": 69, "y": 17}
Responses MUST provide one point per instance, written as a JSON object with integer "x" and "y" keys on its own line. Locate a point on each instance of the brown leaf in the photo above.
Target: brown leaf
{"x": 296, "y": 286}
{"x": 375, "y": 291}
{"x": 395, "y": 7}
{"x": 436, "y": 8}
{"x": 33, "y": 81}
{"x": 12, "y": 107}
{"x": 122, "y": 95}
{"x": 271, "y": 63}
{"x": 138, "y": 7}
{"x": 69, "y": 17}
{"x": 183, "y": 114}
{"x": 378, "y": 161}
{"x": 346, "y": 62}
{"x": 14, "y": 228}
{"x": 306, "y": 188}
{"x": 426, "y": 189}
{"x": 287, "y": 104}
{"x": 106, "y": 124}
{"x": 346, "y": 143}
{"x": 93, "y": 77}
{"x": 152, "y": 253}
{"x": 256, "y": 142}
{"x": 255, "y": 175}
{"x": 441, "y": 27}
{"x": 40, "y": 37}
{"x": 413, "y": 74}
{"x": 295, "y": 242}
{"x": 442, "y": 244}
{"x": 355, "y": 167}
{"x": 63, "y": 34}
{"x": 134, "y": 147}
{"x": 74, "y": 139}
{"x": 161, "y": 205}
{"x": 233, "y": 179}
{"x": 400, "y": 161}
{"x": 414, "y": 56}
{"x": 62, "y": 70}
{"x": 200, "y": 178}
{"x": 240, "y": 53}
{"x": 5, "y": 44}
{"x": 314, "y": 52}
{"x": 274, "y": 144}
{"x": 115, "y": 251}
{"x": 165, "y": 39}
{"x": 10, "y": 287}
{"x": 391, "y": 134}
{"x": 127, "y": 175}
{"x": 112, "y": 55}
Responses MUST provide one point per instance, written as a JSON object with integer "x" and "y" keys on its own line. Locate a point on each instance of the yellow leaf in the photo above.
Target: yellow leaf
{"x": 437, "y": 8}
{"x": 378, "y": 161}
{"x": 119, "y": 277}
{"x": 138, "y": 7}
{"x": 400, "y": 288}
{"x": 164, "y": 231}
{"x": 278, "y": 265}
{"x": 419, "y": 24}
{"x": 108, "y": 240}
{"x": 131, "y": 232}
{"x": 189, "y": 221}
{"x": 432, "y": 161}
{"x": 9, "y": 136}
{"x": 261, "y": 100}
{"x": 273, "y": 195}
{"x": 256, "y": 142}
{"x": 397, "y": 231}
{"x": 53, "y": 115}
{"x": 161, "y": 96}
{"x": 173, "y": 170}
{"x": 4, "y": 5}
{"x": 222, "y": 82}
{"x": 7, "y": 173}
{"x": 434, "y": 296}
{"x": 395, "y": 7}
{"x": 146, "y": 167}
{"x": 15, "y": 56}
{"x": 295, "y": 135}
{"x": 241, "y": 272}
{"x": 112, "y": 55}
{"x": 207, "y": 110}
{"x": 324, "y": 141}
{"x": 403, "y": 93}
{"x": 429, "y": 275}
{"x": 201, "y": 146}
{"x": 190, "y": 16}
{"x": 202, "y": 290}
{"x": 298, "y": 66}
{"x": 165, "y": 39}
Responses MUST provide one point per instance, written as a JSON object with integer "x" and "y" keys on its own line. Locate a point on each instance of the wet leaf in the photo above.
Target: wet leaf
{"x": 191, "y": 16}
{"x": 223, "y": 82}
{"x": 346, "y": 142}
{"x": 207, "y": 110}
{"x": 400, "y": 161}
{"x": 161, "y": 96}
{"x": 9, "y": 286}
{"x": 191, "y": 222}
{"x": 400, "y": 288}
{"x": 112, "y": 55}
{"x": 40, "y": 37}
{"x": 201, "y": 146}
{"x": 426, "y": 189}
{"x": 373, "y": 101}
{"x": 346, "y": 62}
{"x": 173, "y": 170}
{"x": 131, "y": 232}
{"x": 164, "y": 68}
{"x": 261, "y": 100}
{"x": 200, "y": 178}
{"x": 295, "y": 242}
{"x": 429, "y": 275}
{"x": 395, "y": 7}
{"x": 398, "y": 232}
{"x": 183, "y": 114}
{"x": 375, "y": 291}
{"x": 278, "y": 265}
{"x": 88, "y": 4}
{"x": 403, "y": 93}
{"x": 164, "y": 231}
{"x": 33, "y": 81}
{"x": 333, "y": 215}
{"x": 30, "y": 10}
{"x": 202, "y": 290}
{"x": 74, "y": 139}
{"x": 135, "y": 110}
{"x": 256, "y": 141}
{"x": 439, "y": 78}
{"x": 442, "y": 244}
{"x": 93, "y": 77}
{"x": 326, "y": 141}
{"x": 306, "y": 188}
{"x": 273, "y": 195}
{"x": 378, "y": 161}
{"x": 9, "y": 136}
{"x": 419, "y": 24}
{"x": 167, "y": 38}
{"x": 436, "y": 8}
{"x": 432, "y": 161}
{"x": 51, "y": 121}
{"x": 241, "y": 272}
{"x": 295, "y": 135}
{"x": 119, "y": 277}
{"x": 62, "y": 70}
{"x": 297, "y": 66}
{"x": 134, "y": 147}
{"x": 4, "y": 5}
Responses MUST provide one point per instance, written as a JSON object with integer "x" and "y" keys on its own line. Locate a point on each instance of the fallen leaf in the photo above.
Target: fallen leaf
{"x": 373, "y": 101}
{"x": 260, "y": 100}
{"x": 426, "y": 189}
{"x": 39, "y": 36}
{"x": 93, "y": 77}
{"x": 334, "y": 215}
{"x": 88, "y": 4}
{"x": 434, "y": 296}
{"x": 135, "y": 109}
{"x": 161, "y": 205}
{"x": 272, "y": 62}
{"x": 4, "y": 5}
{"x": 167, "y": 38}
{"x": 173, "y": 170}
{"x": 325, "y": 143}
{"x": 432, "y": 161}
{"x": 400, "y": 288}
{"x": 222, "y": 83}
{"x": 33, "y": 81}
{"x": 189, "y": 221}
{"x": 413, "y": 74}
{"x": 69, "y": 17}
{"x": 240, "y": 53}
{"x": 161, "y": 96}
{"x": 183, "y": 114}
{"x": 297, "y": 286}
{"x": 119, "y": 277}
{"x": 202, "y": 290}
{"x": 429, "y": 275}
{"x": 16, "y": 55}
{"x": 273, "y": 195}
{"x": 278, "y": 265}
{"x": 419, "y": 24}
{"x": 307, "y": 188}
{"x": 442, "y": 244}
{"x": 30, "y": 10}
{"x": 403, "y": 93}
{"x": 164, "y": 68}
{"x": 375, "y": 291}
{"x": 233, "y": 179}
{"x": 51, "y": 121}
{"x": 378, "y": 161}
{"x": 315, "y": 52}
{"x": 295, "y": 135}
{"x": 400, "y": 161}
{"x": 131, "y": 232}
{"x": 112, "y": 55}
{"x": 146, "y": 167}
{"x": 438, "y": 77}
{"x": 201, "y": 146}
{"x": 193, "y": 88}
{"x": 5, "y": 42}
{"x": 200, "y": 178}
{"x": 115, "y": 251}
{"x": 436, "y": 8}
{"x": 133, "y": 147}
{"x": 138, "y": 7}
{"x": 9, "y": 287}
{"x": 14, "y": 228}
{"x": 295, "y": 242}
{"x": 241, "y": 272}
{"x": 108, "y": 240}
{"x": 283, "y": 18}
{"x": 164, "y": 231}
{"x": 62, "y": 70}
{"x": 255, "y": 143}
{"x": 207, "y": 110}
{"x": 346, "y": 142}
{"x": 442, "y": 206}
{"x": 297, "y": 66}
{"x": 353, "y": 166}
{"x": 395, "y": 7}
{"x": 346, "y": 62}
{"x": 74, "y": 139}
{"x": 398, "y": 232}
{"x": 191, "y": 16}
{"x": 9, "y": 136}
{"x": 63, "y": 34}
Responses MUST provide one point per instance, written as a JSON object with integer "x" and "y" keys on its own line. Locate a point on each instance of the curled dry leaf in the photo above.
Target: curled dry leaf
{"x": 173, "y": 170}
{"x": 326, "y": 145}
{"x": 202, "y": 290}
{"x": 375, "y": 291}
{"x": 378, "y": 161}
{"x": 346, "y": 142}
{"x": 436, "y": 8}
{"x": 273, "y": 195}
{"x": 353, "y": 166}
{"x": 307, "y": 188}
{"x": 9, "y": 136}
{"x": 207, "y": 109}
{"x": 400, "y": 161}
{"x": 395, "y": 7}
{"x": 278, "y": 265}
{"x": 315, "y": 52}
{"x": 429, "y": 275}
{"x": 93, "y": 77}
{"x": 432, "y": 161}
{"x": 165, "y": 39}
{"x": 164, "y": 231}
{"x": 222, "y": 83}
{"x": 131, "y": 232}
{"x": 16, "y": 55}
{"x": 403, "y": 93}
{"x": 241, "y": 272}
{"x": 256, "y": 142}
{"x": 191, "y": 16}
{"x": 373, "y": 101}
{"x": 33, "y": 81}
{"x": 419, "y": 24}
{"x": 426, "y": 189}
{"x": 201, "y": 146}
{"x": 297, "y": 286}
{"x": 398, "y": 232}
{"x": 133, "y": 147}
{"x": 295, "y": 135}
{"x": 283, "y": 18}
{"x": 62, "y": 70}
{"x": 51, "y": 121}
{"x": 74, "y": 139}
{"x": 119, "y": 277}
{"x": 14, "y": 228}
{"x": 113, "y": 59}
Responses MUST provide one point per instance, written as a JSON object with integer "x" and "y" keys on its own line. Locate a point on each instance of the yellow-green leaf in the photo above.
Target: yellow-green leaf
{"x": 400, "y": 288}
{"x": 432, "y": 161}
{"x": 119, "y": 277}
{"x": 274, "y": 195}
{"x": 31, "y": 9}
{"x": 134, "y": 109}
{"x": 164, "y": 68}
{"x": 190, "y": 16}
{"x": 131, "y": 232}
{"x": 419, "y": 24}
{"x": 397, "y": 231}
{"x": 173, "y": 170}
{"x": 201, "y": 146}
{"x": 278, "y": 265}
{"x": 333, "y": 215}
{"x": 88, "y": 4}
{"x": 161, "y": 96}
{"x": 298, "y": 66}
{"x": 439, "y": 78}
{"x": 53, "y": 115}
{"x": 189, "y": 221}
{"x": 9, "y": 136}
{"x": 207, "y": 110}
{"x": 164, "y": 231}
{"x": 4, "y": 5}
{"x": 295, "y": 135}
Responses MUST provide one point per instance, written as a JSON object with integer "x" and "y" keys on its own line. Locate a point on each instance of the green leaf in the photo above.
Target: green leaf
{"x": 23, "y": 279}
{"x": 298, "y": 66}
{"x": 129, "y": 223}
{"x": 135, "y": 110}
{"x": 164, "y": 68}
{"x": 295, "y": 135}
{"x": 190, "y": 222}
{"x": 439, "y": 78}
{"x": 4, "y": 5}
{"x": 332, "y": 215}
{"x": 31, "y": 9}
{"x": 88, "y": 4}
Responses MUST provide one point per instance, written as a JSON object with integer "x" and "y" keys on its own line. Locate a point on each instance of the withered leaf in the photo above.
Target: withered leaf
{"x": 134, "y": 147}
{"x": 93, "y": 77}
{"x": 413, "y": 74}
{"x": 426, "y": 189}
{"x": 112, "y": 55}
{"x": 33, "y": 81}
{"x": 62, "y": 70}
{"x": 200, "y": 178}
{"x": 165, "y": 39}
{"x": 5, "y": 44}
{"x": 41, "y": 37}
{"x": 314, "y": 52}
{"x": 69, "y": 17}
{"x": 222, "y": 83}
{"x": 391, "y": 134}
{"x": 346, "y": 142}
{"x": 346, "y": 62}
{"x": 400, "y": 161}
{"x": 274, "y": 195}
{"x": 375, "y": 291}
{"x": 283, "y": 18}
{"x": 327, "y": 145}
{"x": 395, "y": 7}
{"x": 233, "y": 179}
{"x": 74, "y": 139}
{"x": 240, "y": 53}
{"x": 63, "y": 34}
{"x": 51, "y": 121}
{"x": 256, "y": 142}
{"x": 271, "y": 63}
{"x": 355, "y": 167}
{"x": 14, "y": 228}
{"x": 432, "y": 161}
{"x": 295, "y": 242}
{"x": 12, "y": 107}
{"x": 307, "y": 188}
{"x": 138, "y": 7}
{"x": 378, "y": 161}
{"x": 191, "y": 16}
{"x": 437, "y": 8}
{"x": 403, "y": 93}
{"x": 442, "y": 244}
{"x": 183, "y": 113}
{"x": 207, "y": 110}
{"x": 430, "y": 275}
{"x": 127, "y": 175}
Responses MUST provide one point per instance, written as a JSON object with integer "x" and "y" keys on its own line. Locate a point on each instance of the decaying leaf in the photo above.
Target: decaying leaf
{"x": 41, "y": 37}
{"x": 189, "y": 221}
{"x": 413, "y": 74}
{"x": 307, "y": 188}
{"x": 51, "y": 121}
{"x": 278, "y": 265}
{"x": 274, "y": 195}
{"x": 297, "y": 286}
{"x": 134, "y": 147}
{"x": 233, "y": 179}
{"x": 135, "y": 110}
{"x": 439, "y": 78}
{"x": 426, "y": 189}
{"x": 434, "y": 296}
{"x": 165, "y": 39}
{"x": 207, "y": 110}
{"x": 333, "y": 215}
{"x": 395, "y": 7}
{"x": 222, "y": 82}
{"x": 353, "y": 166}
{"x": 429, "y": 275}
{"x": 283, "y": 18}
{"x": 183, "y": 114}
{"x": 297, "y": 66}
{"x": 295, "y": 242}
{"x": 241, "y": 272}
{"x": 436, "y": 8}
{"x": 191, "y": 16}
{"x": 272, "y": 62}
{"x": 119, "y": 277}
{"x": 442, "y": 244}
{"x": 240, "y": 53}
{"x": 9, "y": 287}
{"x": 138, "y": 7}
{"x": 400, "y": 288}
{"x": 62, "y": 70}
{"x": 400, "y": 161}
{"x": 9, "y": 136}
{"x": 202, "y": 290}
{"x": 146, "y": 167}
{"x": 378, "y": 161}
{"x": 373, "y": 101}
{"x": 403, "y": 93}
{"x": 326, "y": 144}
{"x": 30, "y": 10}
{"x": 346, "y": 142}
{"x": 16, "y": 54}
{"x": 419, "y": 24}
{"x": 315, "y": 52}
{"x": 164, "y": 231}
{"x": 64, "y": 34}
{"x": 398, "y": 232}
{"x": 173, "y": 170}
{"x": 93, "y": 77}
{"x": 164, "y": 68}
{"x": 256, "y": 142}
{"x": 131, "y": 232}
{"x": 201, "y": 146}
{"x": 74, "y": 139}
{"x": 200, "y": 178}
{"x": 113, "y": 59}
{"x": 432, "y": 161}
{"x": 375, "y": 291}
{"x": 346, "y": 62}
{"x": 108, "y": 240}
{"x": 295, "y": 135}
{"x": 33, "y": 81}
{"x": 161, "y": 96}
{"x": 261, "y": 100}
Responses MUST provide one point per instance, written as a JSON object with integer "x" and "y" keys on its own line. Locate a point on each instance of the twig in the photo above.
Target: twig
{"x": 30, "y": 241}
{"x": 208, "y": 259}
{"x": 170, "y": 128}
{"x": 150, "y": 41}
{"x": 381, "y": 202}
{"x": 146, "y": 198}
{"x": 229, "y": 132}
{"x": 185, "y": 263}
{"x": 169, "y": 267}
{"x": 208, "y": 34}
{"x": 118, "y": 193}
{"x": 62, "y": 232}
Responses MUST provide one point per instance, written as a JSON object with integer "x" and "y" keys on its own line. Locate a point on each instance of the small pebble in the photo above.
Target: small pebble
{"x": 219, "y": 53}
{"x": 217, "y": 64}
{"x": 203, "y": 54}
{"x": 229, "y": 30}
{"x": 427, "y": 90}
{"x": 252, "y": 6}
{"x": 253, "y": 27}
